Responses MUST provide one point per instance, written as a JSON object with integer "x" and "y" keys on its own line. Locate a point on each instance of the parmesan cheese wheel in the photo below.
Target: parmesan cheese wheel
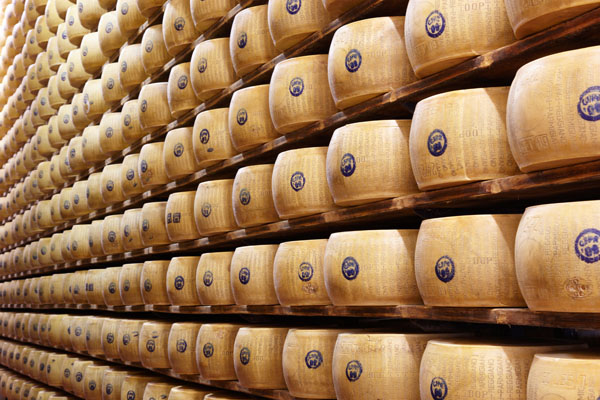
{"x": 369, "y": 161}
{"x": 178, "y": 153}
{"x": 93, "y": 287}
{"x": 460, "y": 137}
{"x": 130, "y": 121}
{"x": 366, "y": 59}
{"x": 110, "y": 286}
{"x": 90, "y": 145}
{"x": 153, "y": 227}
{"x": 92, "y": 58}
{"x": 130, "y": 233}
{"x": 93, "y": 335}
{"x": 112, "y": 90}
{"x": 95, "y": 101}
{"x": 564, "y": 376}
{"x": 299, "y": 183}
{"x": 251, "y": 45}
{"x": 158, "y": 390}
{"x": 90, "y": 12}
{"x": 111, "y": 184}
{"x": 182, "y": 347}
{"x": 131, "y": 72}
{"x": 128, "y": 340}
{"x": 214, "y": 350}
{"x": 211, "y": 68}
{"x": 129, "y": 283}
{"x": 80, "y": 248}
{"x": 468, "y": 261}
{"x": 53, "y": 370}
{"x": 555, "y": 270}
{"x": 95, "y": 238}
{"x": 155, "y": 54}
{"x": 153, "y": 345}
{"x": 77, "y": 333}
{"x": 93, "y": 191}
{"x": 250, "y": 123}
{"x": 180, "y": 220}
{"x": 177, "y": 25}
{"x": 527, "y": 17}
{"x": 151, "y": 167}
{"x": 371, "y": 268}
{"x": 257, "y": 356}
{"x": 460, "y": 368}
{"x": 154, "y": 106}
{"x": 148, "y": 7}
{"x": 112, "y": 381}
{"x": 205, "y": 14}
{"x": 213, "y": 279}
{"x": 77, "y": 75}
{"x": 111, "y": 136}
{"x": 129, "y": 18}
{"x": 252, "y": 275}
{"x": 440, "y": 35}
{"x": 253, "y": 197}
{"x": 299, "y": 93}
{"x": 185, "y": 393}
{"x": 213, "y": 210}
{"x": 181, "y": 281}
{"x": 291, "y": 21}
{"x": 210, "y": 138}
{"x": 307, "y": 362}
{"x": 181, "y": 96}
{"x": 131, "y": 184}
{"x": 134, "y": 385}
{"x": 80, "y": 205}
{"x": 112, "y": 242}
{"x": 154, "y": 282}
{"x": 539, "y": 140}
{"x": 92, "y": 384}
{"x": 298, "y": 273}
{"x": 75, "y": 30}
{"x": 110, "y": 37}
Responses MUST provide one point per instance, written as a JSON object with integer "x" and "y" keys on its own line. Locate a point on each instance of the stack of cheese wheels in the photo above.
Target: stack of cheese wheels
{"x": 440, "y": 37}
{"x": 459, "y": 368}
{"x": 213, "y": 210}
{"x": 369, "y": 161}
{"x": 371, "y": 268}
{"x": 257, "y": 356}
{"x": 374, "y": 365}
{"x": 252, "y": 275}
{"x": 299, "y": 93}
{"x": 454, "y": 269}
{"x": 547, "y": 371}
{"x": 562, "y": 280}
{"x": 298, "y": 273}
{"x": 460, "y": 137}
{"x": 527, "y": 18}
{"x": 214, "y": 349}
{"x": 299, "y": 183}
{"x": 290, "y": 21}
{"x": 307, "y": 362}
{"x": 252, "y": 196}
{"x": 368, "y": 58}
{"x": 538, "y": 139}
{"x": 213, "y": 277}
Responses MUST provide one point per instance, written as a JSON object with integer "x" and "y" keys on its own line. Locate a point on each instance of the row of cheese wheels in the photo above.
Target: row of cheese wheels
{"x": 324, "y": 363}
{"x": 40, "y": 373}
{"x": 542, "y": 259}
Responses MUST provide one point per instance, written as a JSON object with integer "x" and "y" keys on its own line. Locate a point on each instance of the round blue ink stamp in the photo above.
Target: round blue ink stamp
{"x": 92, "y": 385}
{"x": 297, "y": 181}
{"x": 207, "y": 278}
{"x": 144, "y": 105}
{"x": 353, "y": 370}
{"x": 296, "y": 86}
{"x": 109, "y": 388}
{"x": 313, "y": 359}
{"x": 242, "y": 116}
{"x": 112, "y": 288}
{"x": 181, "y": 345}
{"x": 130, "y": 174}
{"x": 179, "y": 23}
{"x": 78, "y": 376}
{"x": 179, "y": 282}
{"x": 586, "y": 245}
{"x": 127, "y": 120}
{"x": 78, "y": 331}
{"x": 245, "y": 355}
{"x": 437, "y": 143}
{"x": 293, "y": 6}
{"x": 182, "y": 82}
{"x": 204, "y": 136}
{"x": 353, "y": 60}
{"x": 130, "y": 395}
{"x": 438, "y": 388}
{"x": 350, "y": 268}
{"x": 110, "y": 338}
{"x": 347, "y": 165}
{"x": 124, "y": 66}
{"x": 124, "y": 8}
{"x": 205, "y": 210}
{"x": 108, "y": 132}
{"x": 435, "y": 24}
{"x": 178, "y": 150}
{"x": 202, "y": 65}
{"x": 444, "y": 269}
{"x": 144, "y": 165}
{"x": 112, "y": 236}
{"x": 589, "y": 104}
{"x": 149, "y": 46}
{"x": 126, "y": 339}
{"x": 245, "y": 196}
{"x": 305, "y": 271}
{"x": 147, "y": 285}
{"x": 150, "y": 345}
{"x": 242, "y": 40}
{"x": 109, "y": 27}
{"x": 208, "y": 350}
{"x": 145, "y": 225}
{"x": 126, "y": 285}
{"x": 244, "y": 276}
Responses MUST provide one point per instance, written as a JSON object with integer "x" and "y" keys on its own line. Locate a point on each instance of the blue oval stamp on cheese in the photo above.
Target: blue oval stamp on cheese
{"x": 588, "y": 106}
{"x": 313, "y": 359}
{"x": 435, "y": 24}
{"x": 305, "y": 271}
{"x": 207, "y": 278}
{"x": 437, "y": 143}
{"x": 350, "y": 268}
{"x": 245, "y": 356}
{"x": 347, "y": 165}
{"x": 297, "y": 181}
{"x": 587, "y": 246}
{"x": 353, "y": 60}
{"x": 444, "y": 269}
{"x": 353, "y": 370}
{"x": 296, "y": 87}
{"x": 293, "y": 6}
{"x": 244, "y": 276}
{"x": 438, "y": 388}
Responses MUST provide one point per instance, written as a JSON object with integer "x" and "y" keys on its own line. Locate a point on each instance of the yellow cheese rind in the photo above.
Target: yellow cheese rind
{"x": 252, "y": 197}
{"x": 292, "y": 21}
{"x": 252, "y": 275}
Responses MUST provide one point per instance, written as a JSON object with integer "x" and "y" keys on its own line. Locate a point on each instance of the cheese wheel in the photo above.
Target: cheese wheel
{"x": 299, "y": 183}
{"x": 131, "y": 72}
{"x": 158, "y": 390}
{"x": 92, "y": 383}
{"x": 252, "y": 275}
{"x": 366, "y": 59}
{"x": 65, "y": 89}
{"x": 148, "y": 7}
{"x": 93, "y": 192}
{"x": 54, "y": 372}
{"x": 291, "y": 21}
{"x": 459, "y": 368}
{"x": 80, "y": 248}
{"x": 184, "y": 393}
{"x": 181, "y": 281}
{"x": 369, "y": 161}
{"x": 111, "y": 184}
{"x": 561, "y": 280}
{"x": 153, "y": 345}
{"x": 177, "y": 26}
{"x": 211, "y": 68}
{"x": 257, "y": 357}
{"x": 180, "y": 220}
{"x": 251, "y": 45}
{"x": 564, "y": 376}
{"x": 130, "y": 121}
{"x": 131, "y": 184}
{"x": 213, "y": 279}
{"x": 75, "y": 30}
{"x": 130, "y": 289}
{"x": 130, "y": 233}
{"x": 178, "y": 153}
{"x": 459, "y": 137}
{"x": 155, "y": 54}
{"x": 299, "y": 93}
{"x": 134, "y": 385}
{"x": 112, "y": 90}
{"x": 213, "y": 210}
{"x": 440, "y": 35}
{"x": 112, "y": 241}
{"x": 455, "y": 267}
{"x": 205, "y": 14}
{"x": 154, "y": 282}
{"x": 128, "y": 339}
{"x": 182, "y": 347}
{"x": 92, "y": 58}
{"x": 78, "y": 282}
{"x": 90, "y": 12}
{"x": 371, "y": 268}
{"x": 307, "y": 362}
{"x": 112, "y": 381}
{"x": 527, "y": 18}
{"x": 153, "y": 227}
{"x": 181, "y": 96}
{"x": 110, "y": 35}
{"x": 76, "y": 73}
{"x": 151, "y": 167}
{"x": 298, "y": 273}
{"x": 95, "y": 238}
{"x": 210, "y": 138}
{"x": 80, "y": 204}
{"x": 154, "y": 106}
{"x": 252, "y": 196}
{"x": 129, "y": 18}
{"x": 93, "y": 335}
{"x": 214, "y": 349}
{"x": 77, "y": 327}
{"x": 95, "y": 101}
{"x": 93, "y": 286}
{"x": 91, "y": 145}
{"x": 538, "y": 140}
{"x": 110, "y": 286}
